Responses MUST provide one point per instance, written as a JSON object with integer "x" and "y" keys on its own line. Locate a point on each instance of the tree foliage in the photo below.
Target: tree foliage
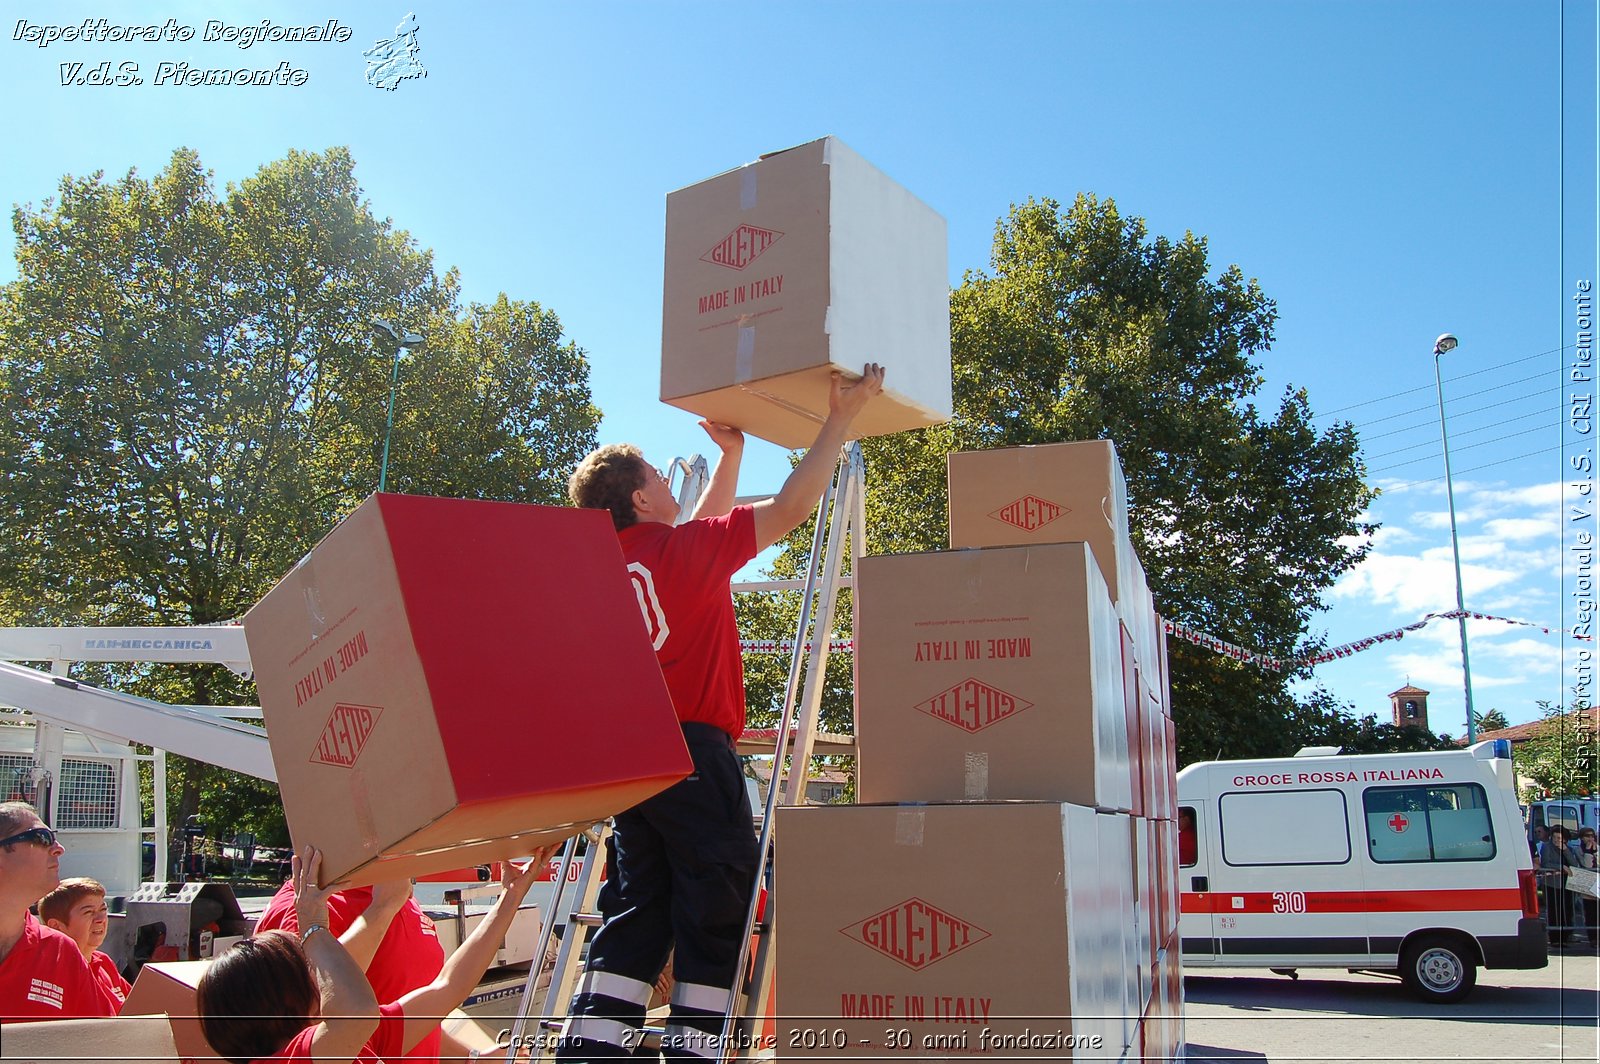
{"x": 1562, "y": 758}
{"x": 1086, "y": 327}
{"x": 1493, "y": 720}
{"x": 193, "y": 395}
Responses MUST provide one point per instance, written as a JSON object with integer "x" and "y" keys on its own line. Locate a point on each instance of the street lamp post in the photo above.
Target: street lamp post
{"x": 403, "y": 341}
{"x": 1441, "y": 346}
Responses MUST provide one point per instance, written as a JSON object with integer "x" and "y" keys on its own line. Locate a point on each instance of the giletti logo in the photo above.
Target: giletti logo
{"x": 973, "y": 705}
{"x": 344, "y": 735}
{"x": 915, "y": 933}
{"x": 1029, "y": 512}
{"x": 741, "y": 247}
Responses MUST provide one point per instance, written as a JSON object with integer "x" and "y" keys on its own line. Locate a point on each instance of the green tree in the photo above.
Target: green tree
{"x": 193, "y": 396}
{"x": 1493, "y": 720}
{"x": 1086, "y": 327}
{"x": 1562, "y": 757}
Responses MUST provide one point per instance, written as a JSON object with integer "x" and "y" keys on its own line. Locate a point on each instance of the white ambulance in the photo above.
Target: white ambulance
{"x": 1415, "y": 862}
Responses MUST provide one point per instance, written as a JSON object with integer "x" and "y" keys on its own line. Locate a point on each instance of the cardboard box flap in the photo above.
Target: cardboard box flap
{"x": 142, "y": 1038}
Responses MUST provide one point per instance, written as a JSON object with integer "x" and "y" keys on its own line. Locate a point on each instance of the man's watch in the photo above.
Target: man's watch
{"x": 313, "y": 929}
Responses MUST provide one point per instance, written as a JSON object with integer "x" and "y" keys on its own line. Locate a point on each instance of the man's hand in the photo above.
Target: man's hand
{"x": 847, "y": 401}
{"x": 726, "y": 437}
{"x": 778, "y": 516}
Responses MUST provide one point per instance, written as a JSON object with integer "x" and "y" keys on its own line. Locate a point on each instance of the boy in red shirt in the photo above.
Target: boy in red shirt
{"x": 43, "y": 975}
{"x": 77, "y": 908}
{"x": 685, "y": 860}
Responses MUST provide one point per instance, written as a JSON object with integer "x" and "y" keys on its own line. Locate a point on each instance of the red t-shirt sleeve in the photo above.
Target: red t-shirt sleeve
{"x": 723, "y": 544}
{"x": 389, "y": 1039}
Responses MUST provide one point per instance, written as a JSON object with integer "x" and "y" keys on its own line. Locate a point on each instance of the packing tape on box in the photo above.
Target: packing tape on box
{"x": 747, "y": 187}
{"x": 908, "y": 827}
{"x": 316, "y": 617}
{"x": 975, "y": 775}
{"x": 744, "y": 354}
{"x": 361, "y": 806}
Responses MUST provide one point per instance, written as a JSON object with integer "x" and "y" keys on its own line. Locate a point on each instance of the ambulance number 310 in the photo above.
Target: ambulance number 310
{"x": 1288, "y": 901}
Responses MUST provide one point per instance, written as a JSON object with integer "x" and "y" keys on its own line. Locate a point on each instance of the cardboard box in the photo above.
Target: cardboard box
{"x": 1119, "y": 938}
{"x": 803, "y": 262}
{"x": 989, "y": 674}
{"x": 943, "y": 921}
{"x": 1148, "y": 936}
{"x": 1047, "y": 493}
{"x": 1057, "y": 493}
{"x": 143, "y": 1038}
{"x": 1133, "y": 704}
{"x": 167, "y": 987}
{"x": 449, "y": 682}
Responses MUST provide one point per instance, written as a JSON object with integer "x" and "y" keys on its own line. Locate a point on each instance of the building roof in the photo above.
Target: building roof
{"x": 1531, "y": 730}
{"x": 1408, "y": 690}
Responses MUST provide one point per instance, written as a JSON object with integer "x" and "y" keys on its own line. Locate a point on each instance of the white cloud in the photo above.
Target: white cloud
{"x": 1421, "y": 583}
{"x": 1521, "y": 528}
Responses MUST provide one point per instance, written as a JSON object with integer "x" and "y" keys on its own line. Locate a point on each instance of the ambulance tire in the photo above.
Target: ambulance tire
{"x": 1438, "y": 968}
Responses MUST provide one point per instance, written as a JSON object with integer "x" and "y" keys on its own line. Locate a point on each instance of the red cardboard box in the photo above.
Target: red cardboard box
{"x": 989, "y": 674}
{"x": 449, "y": 682}
{"x": 779, "y": 272}
{"x": 963, "y": 925}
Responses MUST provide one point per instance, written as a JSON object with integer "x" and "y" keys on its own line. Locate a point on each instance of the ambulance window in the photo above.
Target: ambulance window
{"x": 1188, "y": 838}
{"x": 1428, "y": 823}
{"x": 1284, "y": 827}
{"x": 1566, "y": 816}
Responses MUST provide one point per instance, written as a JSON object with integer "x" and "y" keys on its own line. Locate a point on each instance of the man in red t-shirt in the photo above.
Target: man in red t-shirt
{"x": 43, "y": 976}
{"x": 682, "y": 863}
{"x": 409, "y": 955}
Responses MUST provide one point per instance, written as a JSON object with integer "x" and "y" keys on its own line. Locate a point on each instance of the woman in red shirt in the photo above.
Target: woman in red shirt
{"x": 260, "y": 1001}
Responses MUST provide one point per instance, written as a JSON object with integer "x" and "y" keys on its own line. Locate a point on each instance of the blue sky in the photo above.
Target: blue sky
{"x": 1388, "y": 171}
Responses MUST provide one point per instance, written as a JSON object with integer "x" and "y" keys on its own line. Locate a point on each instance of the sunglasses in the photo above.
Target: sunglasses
{"x": 43, "y": 836}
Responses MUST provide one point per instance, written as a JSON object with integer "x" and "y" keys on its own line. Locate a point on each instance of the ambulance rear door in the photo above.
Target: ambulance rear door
{"x": 1196, "y": 933}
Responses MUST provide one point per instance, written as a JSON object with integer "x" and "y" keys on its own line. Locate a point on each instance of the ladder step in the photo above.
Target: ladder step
{"x": 586, "y": 919}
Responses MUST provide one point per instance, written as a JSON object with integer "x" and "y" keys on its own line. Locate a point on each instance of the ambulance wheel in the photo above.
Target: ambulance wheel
{"x": 1438, "y": 969}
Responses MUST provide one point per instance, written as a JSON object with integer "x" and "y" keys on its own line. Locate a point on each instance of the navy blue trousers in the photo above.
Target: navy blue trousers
{"x": 679, "y": 877}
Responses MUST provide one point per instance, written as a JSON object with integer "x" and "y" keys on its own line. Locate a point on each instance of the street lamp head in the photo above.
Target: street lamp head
{"x": 1444, "y": 344}
{"x": 387, "y": 330}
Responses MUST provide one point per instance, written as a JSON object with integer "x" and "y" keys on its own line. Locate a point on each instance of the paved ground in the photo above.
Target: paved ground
{"x": 1234, "y": 1016}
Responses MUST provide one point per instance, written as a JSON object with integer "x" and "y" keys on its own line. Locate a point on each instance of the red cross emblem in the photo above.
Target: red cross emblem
{"x": 1398, "y": 823}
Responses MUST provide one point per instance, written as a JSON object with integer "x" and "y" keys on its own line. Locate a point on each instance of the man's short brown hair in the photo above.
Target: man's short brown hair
{"x": 606, "y": 480}
{"x": 57, "y": 905}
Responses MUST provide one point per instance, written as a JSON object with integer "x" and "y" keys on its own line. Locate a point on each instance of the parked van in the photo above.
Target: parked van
{"x": 1571, "y": 813}
{"x": 1415, "y": 862}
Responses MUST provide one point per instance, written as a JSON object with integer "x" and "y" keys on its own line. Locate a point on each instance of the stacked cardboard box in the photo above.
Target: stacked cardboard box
{"x": 1030, "y": 909}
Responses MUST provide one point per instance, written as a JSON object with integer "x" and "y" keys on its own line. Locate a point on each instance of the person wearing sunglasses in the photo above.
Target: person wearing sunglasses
{"x": 43, "y": 975}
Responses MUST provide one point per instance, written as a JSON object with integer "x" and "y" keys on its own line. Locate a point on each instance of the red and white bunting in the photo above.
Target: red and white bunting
{"x": 1344, "y": 650}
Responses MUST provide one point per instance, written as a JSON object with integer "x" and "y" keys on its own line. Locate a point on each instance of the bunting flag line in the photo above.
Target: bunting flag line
{"x": 1217, "y": 645}
{"x": 1344, "y": 650}
{"x": 786, "y": 646}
